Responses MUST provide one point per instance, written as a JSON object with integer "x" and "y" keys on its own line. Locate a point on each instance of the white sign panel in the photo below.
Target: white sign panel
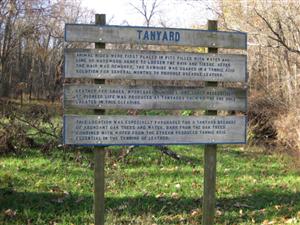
{"x": 153, "y": 130}
{"x": 155, "y": 36}
{"x": 153, "y": 65}
{"x": 139, "y": 97}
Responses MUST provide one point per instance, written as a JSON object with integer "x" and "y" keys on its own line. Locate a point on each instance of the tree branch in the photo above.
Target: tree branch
{"x": 36, "y": 127}
{"x": 144, "y": 10}
{"x": 279, "y": 38}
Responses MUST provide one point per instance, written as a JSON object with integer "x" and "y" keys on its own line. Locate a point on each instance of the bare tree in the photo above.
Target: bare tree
{"x": 147, "y": 9}
{"x": 273, "y": 64}
{"x": 31, "y": 44}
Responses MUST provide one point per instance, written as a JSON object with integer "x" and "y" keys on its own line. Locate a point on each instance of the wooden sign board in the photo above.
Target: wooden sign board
{"x": 153, "y": 65}
{"x": 155, "y": 36}
{"x": 153, "y": 130}
{"x": 138, "y": 97}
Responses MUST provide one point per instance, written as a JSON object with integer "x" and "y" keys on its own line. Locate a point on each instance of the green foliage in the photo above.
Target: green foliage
{"x": 187, "y": 112}
{"x": 32, "y": 125}
{"x": 147, "y": 188}
{"x": 155, "y": 113}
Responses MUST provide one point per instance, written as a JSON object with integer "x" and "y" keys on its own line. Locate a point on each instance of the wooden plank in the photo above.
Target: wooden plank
{"x": 153, "y": 130}
{"x": 139, "y": 97}
{"x": 153, "y": 65}
{"x": 155, "y": 36}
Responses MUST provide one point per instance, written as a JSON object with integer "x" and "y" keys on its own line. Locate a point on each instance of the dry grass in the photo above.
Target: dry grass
{"x": 288, "y": 132}
{"x": 274, "y": 124}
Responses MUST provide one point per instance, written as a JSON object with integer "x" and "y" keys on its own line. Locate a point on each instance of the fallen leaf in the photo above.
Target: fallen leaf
{"x": 267, "y": 222}
{"x": 291, "y": 221}
{"x": 10, "y": 213}
{"x": 175, "y": 195}
{"x": 123, "y": 206}
{"x": 160, "y": 195}
{"x": 53, "y": 223}
{"x": 277, "y": 207}
{"x": 195, "y": 212}
{"x": 219, "y": 212}
{"x": 194, "y": 171}
{"x": 241, "y": 212}
{"x": 55, "y": 189}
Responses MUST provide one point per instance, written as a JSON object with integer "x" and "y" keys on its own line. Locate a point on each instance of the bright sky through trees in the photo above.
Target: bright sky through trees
{"x": 172, "y": 13}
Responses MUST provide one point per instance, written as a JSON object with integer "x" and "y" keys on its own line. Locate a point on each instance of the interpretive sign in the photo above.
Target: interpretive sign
{"x": 151, "y": 130}
{"x": 155, "y": 36}
{"x": 138, "y": 97}
{"x": 153, "y": 65}
{"x": 105, "y": 130}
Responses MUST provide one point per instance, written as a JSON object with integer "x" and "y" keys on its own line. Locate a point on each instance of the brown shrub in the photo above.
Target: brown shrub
{"x": 27, "y": 127}
{"x": 288, "y": 131}
{"x": 262, "y": 112}
{"x": 274, "y": 125}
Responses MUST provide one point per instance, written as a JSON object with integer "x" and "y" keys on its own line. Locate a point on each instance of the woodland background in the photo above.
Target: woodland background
{"x": 44, "y": 182}
{"x": 32, "y": 44}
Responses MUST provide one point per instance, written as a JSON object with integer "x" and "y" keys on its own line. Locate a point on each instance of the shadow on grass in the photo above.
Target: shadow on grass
{"x": 49, "y": 206}
{"x": 258, "y": 206}
{"x": 43, "y": 207}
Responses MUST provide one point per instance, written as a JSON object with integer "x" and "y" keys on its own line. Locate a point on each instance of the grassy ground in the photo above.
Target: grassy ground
{"x": 148, "y": 188}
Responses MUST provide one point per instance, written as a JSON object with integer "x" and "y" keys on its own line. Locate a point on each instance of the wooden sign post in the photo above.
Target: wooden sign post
{"x": 210, "y": 159}
{"x": 103, "y": 130}
{"x": 99, "y": 172}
